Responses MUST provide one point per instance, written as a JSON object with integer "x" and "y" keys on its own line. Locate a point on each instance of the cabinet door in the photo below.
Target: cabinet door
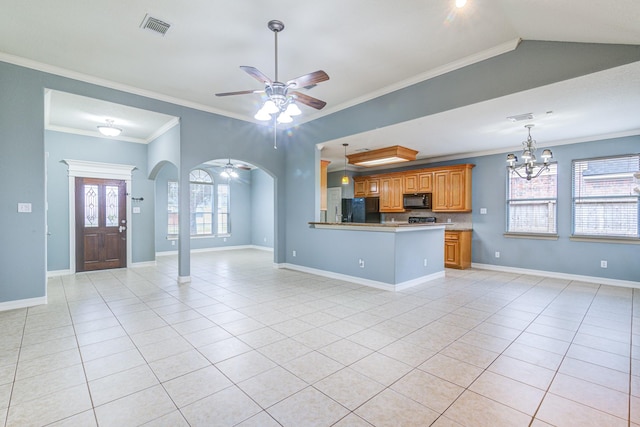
{"x": 391, "y": 194}
{"x": 440, "y": 190}
{"x": 425, "y": 184}
{"x": 411, "y": 184}
{"x": 373, "y": 187}
{"x": 359, "y": 187}
{"x": 451, "y": 250}
{"x": 457, "y": 190}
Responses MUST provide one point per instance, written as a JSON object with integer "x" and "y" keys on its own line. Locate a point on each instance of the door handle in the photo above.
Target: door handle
{"x": 122, "y": 228}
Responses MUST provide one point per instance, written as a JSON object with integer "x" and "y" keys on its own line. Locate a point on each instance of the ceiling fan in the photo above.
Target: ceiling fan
{"x": 282, "y": 97}
{"x": 229, "y": 170}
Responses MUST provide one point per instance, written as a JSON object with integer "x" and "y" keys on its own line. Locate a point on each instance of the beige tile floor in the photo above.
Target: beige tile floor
{"x": 246, "y": 344}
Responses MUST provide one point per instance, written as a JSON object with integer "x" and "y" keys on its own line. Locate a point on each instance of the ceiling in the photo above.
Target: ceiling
{"x": 368, "y": 48}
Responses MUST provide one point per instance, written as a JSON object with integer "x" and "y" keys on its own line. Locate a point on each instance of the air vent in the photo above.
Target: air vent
{"x": 154, "y": 24}
{"x": 521, "y": 117}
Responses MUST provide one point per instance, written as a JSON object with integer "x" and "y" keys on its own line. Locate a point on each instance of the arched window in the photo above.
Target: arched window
{"x": 201, "y": 212}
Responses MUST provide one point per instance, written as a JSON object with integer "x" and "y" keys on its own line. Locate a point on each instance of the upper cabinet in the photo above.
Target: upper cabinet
{"x": 391, "y": 190}
{"x": 452, "y": 189}
{"x": 450, "y": 185}
{"x": 366, "y": 186}
{"x": 418, "y": 182}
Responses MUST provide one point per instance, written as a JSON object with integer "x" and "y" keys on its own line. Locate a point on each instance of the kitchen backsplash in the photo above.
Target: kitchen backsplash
{"x": 441, "y": 217}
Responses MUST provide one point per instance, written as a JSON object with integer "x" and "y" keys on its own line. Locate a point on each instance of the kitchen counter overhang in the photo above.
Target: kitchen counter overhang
{"x": 385, "y": 227}
{"x": 391, "y": 256}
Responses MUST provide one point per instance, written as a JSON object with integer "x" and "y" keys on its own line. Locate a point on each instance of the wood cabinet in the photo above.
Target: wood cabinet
{"x": 452, "y": 189}
{"x": 418, "y": 182}
{"x": 366, "y": 186}
{"x": 323, "y": 184}
{"x": 450, "y": 185}
{"x": 457, "y": 249}
{"x": 391, "y": 190}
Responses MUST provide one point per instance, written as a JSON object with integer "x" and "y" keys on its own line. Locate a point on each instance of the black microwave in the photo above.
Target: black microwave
{"x": 417, "y": 201}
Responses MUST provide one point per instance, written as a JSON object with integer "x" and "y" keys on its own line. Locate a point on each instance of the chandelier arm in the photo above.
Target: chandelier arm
{"x": 515, "y": 170}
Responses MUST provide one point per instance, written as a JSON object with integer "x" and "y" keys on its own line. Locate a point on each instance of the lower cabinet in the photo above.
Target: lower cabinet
{"x": 457, "y": 249}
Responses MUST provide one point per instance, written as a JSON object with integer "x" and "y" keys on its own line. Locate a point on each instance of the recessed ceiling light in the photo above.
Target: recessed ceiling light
{"x": 460, "y": 3}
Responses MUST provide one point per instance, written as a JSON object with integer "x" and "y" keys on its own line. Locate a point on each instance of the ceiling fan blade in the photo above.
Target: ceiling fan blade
{"x": 240, "y": 92}
{"x": 309, "y": 100}
{"x": 256, "y": 74}
{"x": 308, "y": 79}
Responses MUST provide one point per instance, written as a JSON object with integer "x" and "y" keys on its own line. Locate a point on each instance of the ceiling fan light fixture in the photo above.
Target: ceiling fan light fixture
{"x": 270, "y": 107}
{"x": 109, "y": 129}
{"x": 383, "y": 156}
{"x": 262, "y": 115}
{"x": 284, "y": 118}
{"x": 293, "y": 110}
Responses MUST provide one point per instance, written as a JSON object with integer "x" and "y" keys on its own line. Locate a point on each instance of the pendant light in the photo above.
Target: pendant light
{"x": 345, "y": 177}
{"x": 527, "y": 169}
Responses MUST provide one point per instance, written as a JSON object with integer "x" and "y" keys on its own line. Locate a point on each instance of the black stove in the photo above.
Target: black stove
{"x": 421, "y": 219}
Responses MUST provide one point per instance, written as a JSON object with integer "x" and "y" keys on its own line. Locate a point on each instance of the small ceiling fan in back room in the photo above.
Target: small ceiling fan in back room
{"x": 282, "y": 98}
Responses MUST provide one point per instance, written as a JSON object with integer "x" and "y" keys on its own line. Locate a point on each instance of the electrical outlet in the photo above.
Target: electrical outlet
{"x": 425, "y": 262}
{"x": 264, "y": 239}
{"x": 483, "y": 211}
{"x": 173, "y": 243}
{"x": 497, "y": 254}
{"x": 294, "y": 253}
{"x": 603, "y": 263}
{"x": 361, "y": 263}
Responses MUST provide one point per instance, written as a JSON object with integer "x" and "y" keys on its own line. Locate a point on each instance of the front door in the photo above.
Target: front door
{"x": 101, "y": 224}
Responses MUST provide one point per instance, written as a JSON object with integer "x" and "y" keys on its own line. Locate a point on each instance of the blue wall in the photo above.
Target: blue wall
{"x": 294, "y": 166}
{"x": 62, "y": 146}
{"x": 262, "y": 209}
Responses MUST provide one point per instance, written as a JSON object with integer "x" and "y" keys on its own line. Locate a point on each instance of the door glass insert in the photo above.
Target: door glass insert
{"x": 91, "y": 206}
{"x": 111, "y": 202}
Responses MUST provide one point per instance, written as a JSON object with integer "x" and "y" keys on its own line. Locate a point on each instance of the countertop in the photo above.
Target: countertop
{"x": 392, "y": 225}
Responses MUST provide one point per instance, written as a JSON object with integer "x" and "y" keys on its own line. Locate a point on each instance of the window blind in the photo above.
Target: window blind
{"x": 606, "y": 196}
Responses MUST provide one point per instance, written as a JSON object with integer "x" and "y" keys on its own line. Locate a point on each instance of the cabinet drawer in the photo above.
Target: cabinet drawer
{"x": 448, "y": 235}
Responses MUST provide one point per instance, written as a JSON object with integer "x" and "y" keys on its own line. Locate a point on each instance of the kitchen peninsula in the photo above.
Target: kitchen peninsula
{"x": 390, "y": 256}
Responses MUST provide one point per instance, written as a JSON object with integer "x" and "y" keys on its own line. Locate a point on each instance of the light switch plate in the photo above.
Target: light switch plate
{"x": 24, "y": 207}
{"x": 483, "y": 211}
{"x": 136, "y": 209}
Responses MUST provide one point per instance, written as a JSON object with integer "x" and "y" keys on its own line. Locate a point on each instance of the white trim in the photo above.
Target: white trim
{"x": 56, "y": 273}
{"x": 218, "y": 248}
{"x": 87, "y": 169}
{"x": 144, "y": 264}
{"x": 556, "y": 275}
{"x": 22, "y": 303}
{"x": 447, "y": 68}
{"x": 361, "y": 281}
{"x": 35, "y": 65}
{"x": 184, "y": 279}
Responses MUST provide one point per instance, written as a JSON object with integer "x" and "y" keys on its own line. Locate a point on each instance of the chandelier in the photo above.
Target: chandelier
{"x": 527, "y": 169}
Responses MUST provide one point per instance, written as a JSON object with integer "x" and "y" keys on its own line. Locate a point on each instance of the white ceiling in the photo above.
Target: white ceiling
{"x": 368, "y": 48}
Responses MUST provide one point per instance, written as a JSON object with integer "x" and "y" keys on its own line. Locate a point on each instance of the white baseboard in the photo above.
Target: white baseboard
{"x": 218, "y": 248}
{"x": 22, "y": 303}
{"x": 144, "y": 264}
{"x": 56, "y": 273}
{"x": 556, "y": 275}
{"x": 361, "y": 281}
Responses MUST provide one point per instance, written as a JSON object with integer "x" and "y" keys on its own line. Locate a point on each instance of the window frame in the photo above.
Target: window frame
{"x": 633, "y": 157}
{"x": 509, "y": 231}
{"x": 215, "y": 206}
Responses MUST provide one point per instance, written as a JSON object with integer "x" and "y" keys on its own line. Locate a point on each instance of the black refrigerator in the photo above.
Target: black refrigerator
{"x": 361, "y": 209}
